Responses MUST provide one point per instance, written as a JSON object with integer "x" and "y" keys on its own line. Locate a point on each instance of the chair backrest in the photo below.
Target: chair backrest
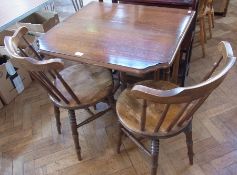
{"x": 191, "y": 97}
{"x": 77, "y": 4}
{"x": 50, "y": 6}
{"x": 39, "y": 69}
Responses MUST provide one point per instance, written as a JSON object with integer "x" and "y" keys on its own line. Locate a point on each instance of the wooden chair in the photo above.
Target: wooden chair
{"x": 76, "y": 87}
{"x": 211, "y": 12}
{"x": 77, "y": 4}
{"x": 205, "y": 9}
{"x": 201, "y": 19}
{"x": 158, "y": 109}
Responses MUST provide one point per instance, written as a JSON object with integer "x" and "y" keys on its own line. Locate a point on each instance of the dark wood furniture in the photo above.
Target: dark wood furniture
{"x": 129, "y": 38}
{"x": 16, "y": 10}
{"x": 163, "y": 3}
{"x": 186, "y": 47}
{"x": 157, "y": 110}
{"x": 75, "y": 87}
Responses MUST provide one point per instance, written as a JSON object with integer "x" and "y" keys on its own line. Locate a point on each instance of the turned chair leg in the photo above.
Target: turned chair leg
{"x": 204, "y": 30}
{"x": 120, "y": 136}
{"x": 212, "y": 19}
{"x": 210, "y": 24}
{"x": 202, "y": 36}
{"x": 155, "y": 155}
{"x": 75, "y": 135}
{"x": 57, "y": 117}
{"x": 189, "y": 141}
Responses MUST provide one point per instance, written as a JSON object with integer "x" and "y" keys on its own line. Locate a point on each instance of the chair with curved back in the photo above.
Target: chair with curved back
{"x": 76, "y": 87}
{"x": 159, "y": 109}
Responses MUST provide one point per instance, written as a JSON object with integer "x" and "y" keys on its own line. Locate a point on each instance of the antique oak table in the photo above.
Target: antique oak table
{"x": 129, "y": 38}
{"x": 15, "y": 10}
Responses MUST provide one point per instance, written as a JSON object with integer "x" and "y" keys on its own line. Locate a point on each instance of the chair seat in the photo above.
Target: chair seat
{"x": 89, "y": 83}
{"x": 129, "y": 109}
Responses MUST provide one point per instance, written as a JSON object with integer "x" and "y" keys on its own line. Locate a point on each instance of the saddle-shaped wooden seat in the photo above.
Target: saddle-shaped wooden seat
{"x": 89, "y": 83}
{"x": 130, "y": 109}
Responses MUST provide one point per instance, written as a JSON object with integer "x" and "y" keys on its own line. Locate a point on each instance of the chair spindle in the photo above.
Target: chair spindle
{"x": 67, "y": 87}
{"x": 53, "y": 87}
{"x": 143, "y": 116}
{"x": 162, "y": 118}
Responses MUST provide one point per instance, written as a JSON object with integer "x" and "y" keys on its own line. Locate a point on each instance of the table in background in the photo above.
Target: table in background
{"x": 165, "y": 3}
{"x": 129, "y": 38}
{"x": 15, "y": 10}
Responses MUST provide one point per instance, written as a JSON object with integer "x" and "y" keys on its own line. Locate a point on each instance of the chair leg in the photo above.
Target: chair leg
{"x": 189, "y": 141}
{"x": 120, "y": 136}
{"x": 202, "y": 36}
{"x": 204, "y": 30}
{"x": 57, "y": 117}
{"x": 155, "y": 155}
{"x": 212, "y": 19}
{"x": 75, "y": 135}
{"x": 112, "y": 102}
{"x": 210, "y": 24}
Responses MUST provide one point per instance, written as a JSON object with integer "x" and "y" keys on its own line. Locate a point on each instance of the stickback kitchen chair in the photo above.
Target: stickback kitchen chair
{"x": 76, "y": 87}
{"x": 159, "y": 109}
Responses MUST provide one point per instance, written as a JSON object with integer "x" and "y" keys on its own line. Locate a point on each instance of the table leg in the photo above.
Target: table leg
{"x": 123, "y": 80}
{"x": 175, "y": 72}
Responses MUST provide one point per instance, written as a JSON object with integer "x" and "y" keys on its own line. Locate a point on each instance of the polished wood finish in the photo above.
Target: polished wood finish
{"x": 75, "y": 87}
{"x": 104, "y": 34}
{"x": 159, "y": 109}
{"x": 17, "y": 10}
{"x": 183, "y": 56}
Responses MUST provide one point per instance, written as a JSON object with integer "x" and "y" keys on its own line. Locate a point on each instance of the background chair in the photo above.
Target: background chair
{"x": 205, "y": 10}
{"x": 77, "y": 4}
{"x": 201, "y": 19}
{"x": 76, "y": 87}
{"x": 211, "y": 11}
{"x": 157, "y": 110}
